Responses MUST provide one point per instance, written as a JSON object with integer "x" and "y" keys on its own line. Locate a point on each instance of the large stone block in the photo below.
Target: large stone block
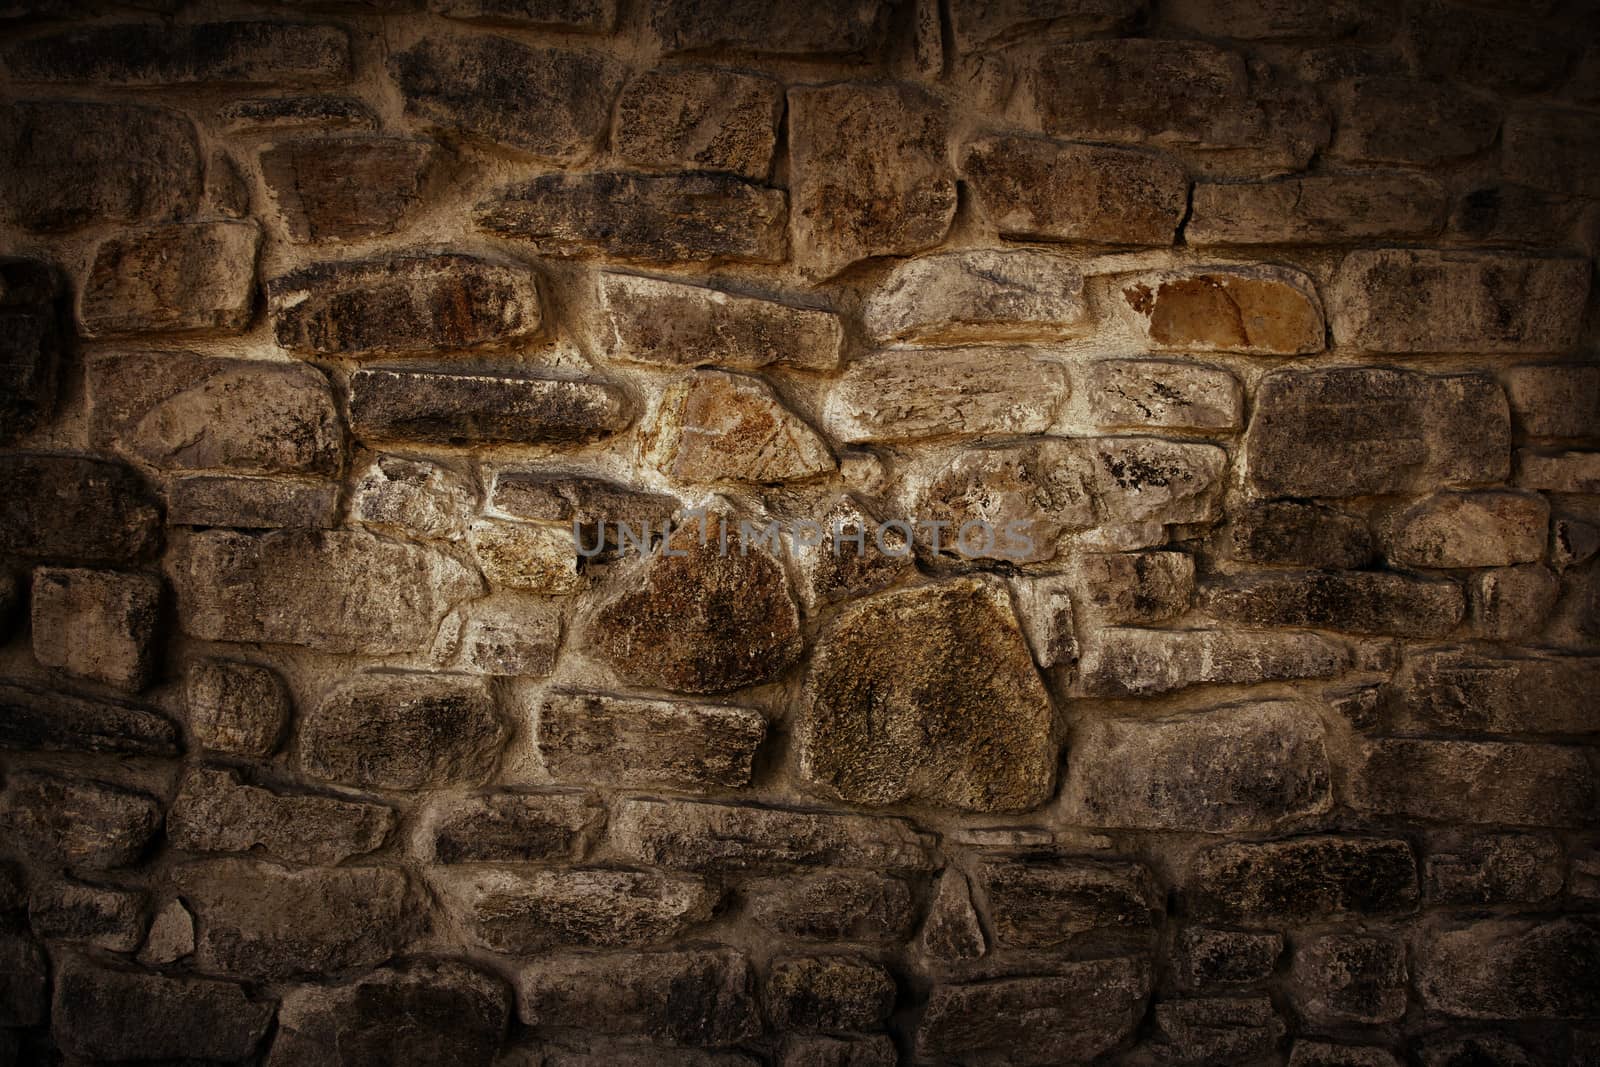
{"x": 1462, "y": 971}
{"x": 78, "y": 822}
{"x": 1302, "y": 879}
{"x": 667, "y": 324}
{"x": 194, "y": 277}
{"x": 237, "y": 708}
{"x": 401, "y": 304}
{"x": 978, "y": 23}
{"x": 1364, "y": 430}
{"x": 1477, "y": 869}
{"x": 1551, "y": 149}
{"x": 514, "y": 827}
{"x": 903, "y": 394}
{"x": 833, "y": 906}
{"x": 689, "y": 997}
{"x": 1478, "y": 783}
{"x": 1357, "y": 602}
{"x": 1155, "y": 394}
{"x": 99, "y": 625}
{"x": 1247, "y": 767}
{"x": 1205, "y": 956}
{"x": 147, "y": 53}
{"x": 403, "y": 731}
{"x": 1037, "y": 189}
{"x": 869, "y": 171}
{"x": 1299, "y": 534}
{"x": 1388, "y": 119}
{"x": 216, "y": 812}
{"x": 448, "y": 408}
{"x": 1127, "y": 662}
{"x": 247, "y": 502}
{"x": 951, "y": 932}
{"x": 335, "y": 590}
{"x": 339, "y": 188}
{"x": 110, "y": 1013}
{"x": 1414, "y": 301}
{"x": 844, "y": 28}
{"x": 290, "y": 114}
{"x": 703, "y": 836}
{"x": 829, "y": 993}
{"x": 1263, "y": 310}
{"x": 65, "y": 164}
{"x": 101, "y": 916}
{"x": 1041, "y": 902}
{"x": 1558, "y": 472}
{"x": 76, "y": 509}
{"x": 53, "y": 721}
{"x": 1556, "y": 400}
{"x": 1490, "y": 529}
{"x": 261, "y": 921}
{"x": 550, "y": 103}
{"x": 1344, "y": 979}
{"x": 420, "y": 497}
{"x": 33, "y": 332}
{"x": 713, "y": 426}
{"x": 1215, "y": 1029}
{"x": 928, "y": 694}
{"x": 507, "y": 635}
{"x": 633, "y": 741}
{"x": 1462, "y": 691}
{"x": 1335, "y": 209}
{"x": 700, "y": 118}
{"x": 183, "y": 411}
{"x": 647, "y": 218}
{"x": 977, "y": 296}
{"x": 1513, "y": 53}
{"x": 1512, "y": 603}
{"x": 454, "y": 1016}
{"x": 1130, "y": 587}
{"x": 526, "y": 556}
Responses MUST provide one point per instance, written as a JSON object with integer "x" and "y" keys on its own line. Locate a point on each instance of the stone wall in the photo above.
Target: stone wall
{"x": 341, "y": 723}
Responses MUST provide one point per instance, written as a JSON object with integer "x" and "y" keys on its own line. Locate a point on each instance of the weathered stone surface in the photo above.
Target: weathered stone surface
{"x": 833, "y": 906}
{"x": 851, "y": 555}
{"x": 53, "y": 721}
{"x": 869, "y": 173}
{"x": 1216, "y": 1029}
{"x": 668, "y": 324}
{"x": 1485, "y": 869}
{"x": 952, "y": 933}
{"x": 550, "y": 103}
{"x": 1139, "y": 394}
{"x": 978, "y": 295}
{"x": 1572, "y": 541}
{"x": 1126, "y": 587}
{"x": 1445, "y": 1051}
{"x": 506, "y": 634}
{"x": 75, "y": 508}
{"x": 834, "y": 27}
{"x": 1349, "y": 978}
{"x": 105, "y": 1013}
{"x": 1557, "y": 400}
{"x": 338, "y": 188}
{"x": 522, "y": 912}
{"x": 714, "y": 426}
{"x": 1044, "y": 611}
{"x": 215, "y": 812}
{"x": 1126, "y": 662}
{"x": 1298, "y": 534}
{"x": 1328, "y": 1054}
{"x": 24, "y": 982}
{"x": 1512, "y": 603}
{"x": 1207, "y": 956}
{"x": 705, "y": 836}
{"x": 631, "y": 741}
{"x": 237, "y": 708}
{"x": 404, "y": 303}
{"x": 1478, "y": 782}
{"x": 515, "y": 827}
{"x": 335, "y": 590}
{"x": 1034, "y": 188}
{"x": 184, "y": 411}
{"x": 275, "y": 114}
{"x": 1301, "y": 879}
{"x": 1505, "y": 214}
{"x": 589, "y": 16}
{"x": 1410, "y": 300}
{"x": 258, "y": 920}
{"x": 78, "y": 822}
{"x": 192, "y": 277}
{"x": 700, "y": 620}
{"x": 1332, "y": 209}
{"x": 1256, "y": 20}
{"x": 1044, "y": 903}
{"x": 453, "y": 1016}
{"x": 611, "y": 1052}
{"x": 1263, "y": 310}
{"x": 171, "y": 936}
{"x": 99, "y": 625}
{"x": 902, "y": 394}
{"x": 65, "y": 164}
{"x": 33, "y": 330}
{"x": 828, "y": 993}
{"x": 590, "y": 505}
{"x": 1558, "y": 472}
{"x": 232, "y": 53}
{"x": 1454, "y": 691}
{"x": 1364, "y": 430}
{"x": 244, "y": 502}
{"x": 1247, "y": 767}
{"x": 1405, "y": 120}
{"x": 700, "y": 118}
{"x": 816, "y": 1051}
{"x": 1072, "y": 1015}
{"x": 526, "y": 556}
{"x": 1358, "y": 602}
{"x": 447, "y": 408}
{"x": 901, "y": 703}
{"x": 1551, "y": 149}
{"x": 689, "y": 997}
{"x": 103, "y": 916}
{"x": 647, "y": 218}
{"x": 1462, "y": 971}
{"x": 1506, "y": 52}
{"x": 420, "y": 497}
{"x": 403, "y": 731}
{"x": 977, "y": 23}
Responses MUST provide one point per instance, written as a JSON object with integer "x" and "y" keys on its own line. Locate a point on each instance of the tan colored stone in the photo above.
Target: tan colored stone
{"x": 1133, "y": 587}
{"x": 526, "y": 556}
{"x": 1487, "y": 529}
{"x": 1558, "y": 472}
{"x": 251, "y": 503}
{"x": 100, "y": 625}
{"x": 237, "y": 708}
{"x": 978, "y": 295}
{"x": 214, "y": 811}
{"x": 1512, "y": 603}
{"x": 719, "y": 427}
{"x": 1357, "y": 602}
{"x": 1332, "y": 209}
{"x": 1556, "y": 400}
{"x": 1477, "y": 783}
{"x": 952, "y": 933}
{"x": 1123, "y": 662}
{"x": 185, "y": 278}
{"x": 338, "y": 188}
{"x": 1136, "y": 394}
{"x": 504, "y": 634}
{"x": 902, "y": 394}
{"x": 422, "y": 498}
{"x": 1252, "y": 310}
{"x": 700, "y": 118}
{"x": 395, "y": 404}
{"x": 637, "y": 742}
{"x": 1459, "y": 691}
{"x": 851, "y": 555}
{"x": 1406, "y": 120}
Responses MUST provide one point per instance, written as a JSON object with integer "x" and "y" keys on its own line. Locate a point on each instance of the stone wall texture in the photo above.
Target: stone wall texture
{"x": 397, "y": 666}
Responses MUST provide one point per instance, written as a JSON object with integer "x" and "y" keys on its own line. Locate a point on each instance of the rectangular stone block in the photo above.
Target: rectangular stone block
{"x": 1125, "y": 662}
{"x": 1357, "y": 602}
{"x": 830, "y": 28}
{"x": 99, "y": 625}
{"x": 644, "y": 994}
{"x": 1461, "y": 691}
{"x": 1551, "y": 149}
{"x": 215, "y": 811}
{"x": 196, "y": 277}
{"x": 340, "y": 188}
{"x": 1155, "y": 394}
{"x": 509, "y": 827}
{"x": 1478, "y": 783}
{"x": 229, "y": 53}
{"x": 1462, "y": 971}
{"x": 631, "y": 741}
{"x": 1316, "y": 210}
{"x": 701, "y": 118}
{"x": 1558, "y": 472}
{"x": 52, "y": 721}
{"x": 1556, "y": 400}
{"x": 444, "y": 408}
{"x": 1040, "y": 904}
{"x": 157, "y": 1017}
{"x": 903, "y": 394}
{"x": 1302, "y": 879}
{"x": 246, "y": 503}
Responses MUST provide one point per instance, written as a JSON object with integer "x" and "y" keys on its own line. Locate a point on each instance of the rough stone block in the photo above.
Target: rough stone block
{"x": 195, "y": 277}
{"x": 1512, "y": 603}
{"x": 1216, "y": 1029}
{"x": 448, "y": 408}
{"x": 290, "y": 114}
{"x": 514, "y": 827}
{"x": 816, "y": 1051}
{"x": 829, "y": 993}
{"x": 78, "y": 823}
{"x": 1358, "y": 602}
{"x": 146, "y": 53}
{"x": 1557, "y": 400}
{"x": 339, "y": 188}
{"x": 1478, "y": 783}
{"x": 1303, "y": 879}
{"x": 1558, "y": 472}
{"x": 1205, "y": 956}
{"x": 1509, "y": 53}
{"x": 171, "y": 936}
{"x": 700, "y": 118}
{"x": 1316, "y": 210}
{"x": 506, "y": 634}
{"x": 335, "y": 590}
{"x": 236, "y": 708}
{"x": 1033, "y": 188}
{"x": 644, "y": 994}
{"x": 1505, "y": 214}
{"x": 1298, "y": 534}
{"x": 978, "y": 295}
{"x": 1489, "y": 870}
{"x": 1263, "y": 310}
{"x": 216, "y": 812}
{"x": 1126, "y": 662}
{"x": 1133, "y": 587}
{"x": 1416, "y": 301}
{"x": 420, "y": 497}
{"x": 853, "y": 556}
{"x": 66, "y": 164}
{"x": 713, "y": 426}
{"x": 1153, "y": 394}
{"x": 77, "y": 509}
{"x": 550, "y": 103}
{"x": 1039, "y": 903}
{"x": 154, "y": 1017}
{"x": 646, "y": 218}
{"x": 1551, "y": 149}
{"x": 1455, "y": 691}
{"x": 184, "y": 411}
{"x": 525, "y": 556}
{"x": 33, "y": 331}
{"x": 401, "y": 304}
{"x": 242, "y": 502}
{"x": 903, "y": 394}
{"x": 102, "y": 916}
{"x": 53, "y": 721}
{"x": 1462, "y": 971}
{"x": 1045, "y": 613}
{"x": 833, "y": 906}
{"x": 870, "y": 176}
{"x": 843, "y": 28}
{"x": 978, "y": 23}
{"x": 1410, "y": 121}
{"x": 1364, "y": 430}
{"x": 402, "y": 731}
{"x": 1342, "y": 979}
{"x": 632, "y": 741}
{"x": 1328, "y": 1054}
{"x": 99, "y": 625}
{"x": 951, "y": 933}
{"x": 667, "y": 324}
